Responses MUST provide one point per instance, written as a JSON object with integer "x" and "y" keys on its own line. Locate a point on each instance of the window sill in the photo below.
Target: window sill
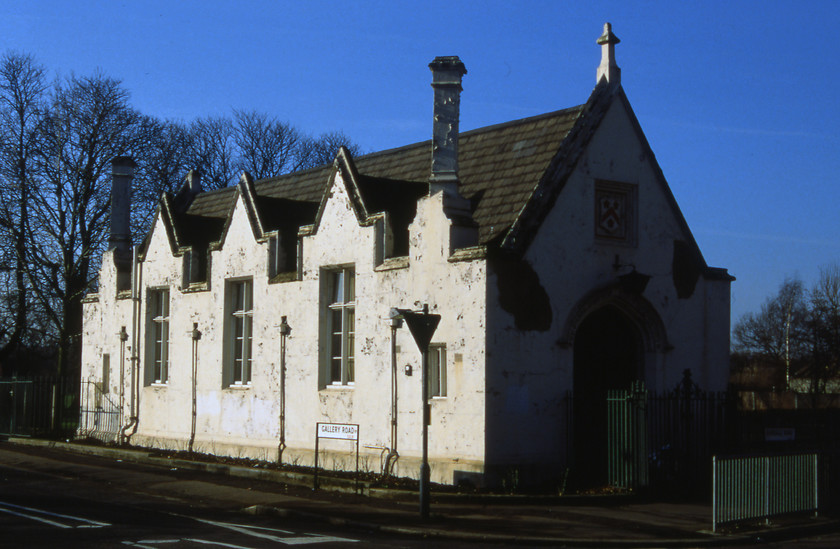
{"x": 195, "y": 287}
{"x": 239, "y": 386}
{"x": 159, "y": 384}
{"x": 123, "y": 294}
{"x": 393, "y": 263}
{"x": 340, "y": 386}
{"x": 471, "y": 253}
{"x": 290, "y": 276}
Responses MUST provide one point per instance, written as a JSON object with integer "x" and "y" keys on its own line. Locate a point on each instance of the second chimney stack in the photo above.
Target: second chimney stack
{"x": 446, "y": 80}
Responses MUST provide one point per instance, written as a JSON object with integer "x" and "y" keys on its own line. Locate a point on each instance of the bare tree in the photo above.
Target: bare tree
{"x": 321, "y": 151}
{"x": 88, "y": 122}
{"x": 267, "y": 147}
{"x": 797, "y": 328}
{"x": 779, "y": 333}
{"x": 257, "y": 143}
{"x": 22, "y": 93}
{"x": 825, "y": 322}
{"x": 213, "y": 151}
{"x": 56, "y": 145}
{"x": 163, "y": 160}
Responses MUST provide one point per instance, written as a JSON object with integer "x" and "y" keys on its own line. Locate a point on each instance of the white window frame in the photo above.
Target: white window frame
{"x": 340, "y": 316}
{"x": 159, "y": 335}
{"x": 437, "y": 370}
{"x": 240, "y": 337}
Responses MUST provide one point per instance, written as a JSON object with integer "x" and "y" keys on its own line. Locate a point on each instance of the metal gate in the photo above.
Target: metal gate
{"x": 99, "y": 415}
{"x": 627, "y": 456}
{"x": 664, "y": 441}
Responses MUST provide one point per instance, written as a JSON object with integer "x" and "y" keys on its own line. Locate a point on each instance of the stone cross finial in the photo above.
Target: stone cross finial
{"x": 608, "y": 69}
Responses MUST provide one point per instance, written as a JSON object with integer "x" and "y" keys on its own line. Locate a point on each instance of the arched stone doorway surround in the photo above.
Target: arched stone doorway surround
{"x": 637, "y": 309}
{"x": 617, "y": 337}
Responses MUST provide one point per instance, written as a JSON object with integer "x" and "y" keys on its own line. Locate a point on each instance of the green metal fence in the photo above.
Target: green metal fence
{"x": 762, "y": 487}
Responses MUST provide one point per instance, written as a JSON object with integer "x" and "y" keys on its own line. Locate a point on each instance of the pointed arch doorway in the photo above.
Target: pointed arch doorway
{"x": 609, "y": 353}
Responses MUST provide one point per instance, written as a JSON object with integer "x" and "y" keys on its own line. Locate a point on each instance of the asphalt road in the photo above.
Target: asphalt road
{"x": 831, "y": 541}
{"x": 52, "y": 499}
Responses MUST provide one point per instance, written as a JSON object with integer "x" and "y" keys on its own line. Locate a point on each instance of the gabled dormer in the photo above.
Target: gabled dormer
{"x": 387, "y": 204}
{"x": 193, "y": 221}
{"x": 281, "y": 219}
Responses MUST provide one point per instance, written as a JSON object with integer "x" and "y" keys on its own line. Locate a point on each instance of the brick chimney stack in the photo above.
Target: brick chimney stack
{"x": 608, "y": 68}
{"x": 446, "y": 81}
{"x": 122, "y": 174}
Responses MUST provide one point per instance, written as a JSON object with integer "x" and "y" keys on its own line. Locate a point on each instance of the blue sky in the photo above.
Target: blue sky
{"x": 738, "y": 99}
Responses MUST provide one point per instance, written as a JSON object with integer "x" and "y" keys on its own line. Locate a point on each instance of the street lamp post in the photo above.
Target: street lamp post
{"x": 425, "y": 470}
{"x": 422, "y": 326}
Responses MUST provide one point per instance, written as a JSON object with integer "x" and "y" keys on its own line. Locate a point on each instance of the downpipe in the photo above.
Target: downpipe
{"x": 126, "y": 436}
{"x": 285, "y": 330}
{"x": 195, "y": 334}
{"x": 393, "y": 455}
{"x": 123, "y": 335}
{"x": 134, "y": 416}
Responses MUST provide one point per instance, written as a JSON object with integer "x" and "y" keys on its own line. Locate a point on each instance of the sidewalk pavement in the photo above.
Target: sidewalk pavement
{"x": 573, "y": 521}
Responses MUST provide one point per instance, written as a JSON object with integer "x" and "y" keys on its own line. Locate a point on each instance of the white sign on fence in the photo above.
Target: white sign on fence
{"x": 344, "y": 431}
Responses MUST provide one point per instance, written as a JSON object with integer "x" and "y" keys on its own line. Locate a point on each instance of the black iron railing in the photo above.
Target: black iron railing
{"x": 45, "y": 406}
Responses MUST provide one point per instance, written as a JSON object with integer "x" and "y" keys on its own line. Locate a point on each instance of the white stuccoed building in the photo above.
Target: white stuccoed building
{"x": 551, "y": 247}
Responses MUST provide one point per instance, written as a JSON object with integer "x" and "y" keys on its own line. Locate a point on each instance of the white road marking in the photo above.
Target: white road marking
{"x": 217, "y": 543}
{"x": 252, "y": 531}
{"x": 8, "y": 508}
{"x": 159, "y": 541}
{"x": 315, "y": 538}
{"x": 57, "y": 524}
{"x": 252, "y": 527}
{"x": 261, "y": 532}
{"x": 155, "y": 542}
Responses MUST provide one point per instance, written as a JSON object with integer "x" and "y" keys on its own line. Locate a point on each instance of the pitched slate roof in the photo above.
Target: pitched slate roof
{"x": 500, "y": 167}
{"x": 512, "y": 173}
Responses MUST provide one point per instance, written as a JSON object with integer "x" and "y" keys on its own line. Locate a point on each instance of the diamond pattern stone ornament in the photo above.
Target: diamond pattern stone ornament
{"x": 611, "y": 214}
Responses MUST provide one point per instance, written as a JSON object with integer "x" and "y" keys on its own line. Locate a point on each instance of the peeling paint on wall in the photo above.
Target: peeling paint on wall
{"x": 686, "y": 269}
{"x": 521, "y": 294}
